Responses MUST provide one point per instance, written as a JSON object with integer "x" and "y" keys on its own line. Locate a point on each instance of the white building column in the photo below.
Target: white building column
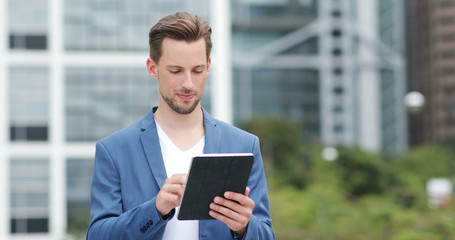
{"x": 368, "y": 78}
{"x": 325, "y": 73}
{"x": 221, "y": 70}
{"x": 57, "y": 204}
{"x": 4, "y": 126}
{"x": 401, "y": 76}
{"x": 348, "y": 75}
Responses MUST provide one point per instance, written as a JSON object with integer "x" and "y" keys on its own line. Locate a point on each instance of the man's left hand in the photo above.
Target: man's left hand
{"x": 234, "y": 209}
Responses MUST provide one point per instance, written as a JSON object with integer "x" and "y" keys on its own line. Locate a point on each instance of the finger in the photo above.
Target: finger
{"x": 228, "y": 208}
{"x": 179, "y": 175}
{"x": 166, "y": 201}
{"x": 232, "y": 224}
{"x": 171, "y": 198}
{"x": 247, "y": 191}
{"x": 177, "y": 179}
{"x": 234, "y": 214}
{"x": 173, "y": 188}
{"x": 243, "y": 200}
{"x": 235, "y": 206}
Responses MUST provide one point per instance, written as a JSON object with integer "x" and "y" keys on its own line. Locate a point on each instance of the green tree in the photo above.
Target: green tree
{"x": 410, "y": 172}
{"x": 282, "y": 148}
{"x": 362, "y": 172}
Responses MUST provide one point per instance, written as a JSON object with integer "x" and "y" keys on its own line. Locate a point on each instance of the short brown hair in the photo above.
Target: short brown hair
{"x": 179, "y": 26}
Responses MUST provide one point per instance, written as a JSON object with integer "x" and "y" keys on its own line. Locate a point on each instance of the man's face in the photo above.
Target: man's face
{"x": 181, "y": 73}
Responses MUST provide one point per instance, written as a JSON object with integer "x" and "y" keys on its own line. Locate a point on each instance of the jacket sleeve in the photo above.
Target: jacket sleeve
{"x": 260, "y": 225}
{"x": 107, "y": 218}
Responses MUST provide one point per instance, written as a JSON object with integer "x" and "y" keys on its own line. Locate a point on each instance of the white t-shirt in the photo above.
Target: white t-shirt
{"x": 178, "y": 161}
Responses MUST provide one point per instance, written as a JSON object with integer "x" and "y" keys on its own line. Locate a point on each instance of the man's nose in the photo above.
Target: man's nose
{"x": 187, "y": 81}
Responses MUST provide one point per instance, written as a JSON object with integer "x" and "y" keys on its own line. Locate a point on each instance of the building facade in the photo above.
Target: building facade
{"x": 431, "y": 69}
{"x": 336, "y": 67}
{"x": 73, "y": 71}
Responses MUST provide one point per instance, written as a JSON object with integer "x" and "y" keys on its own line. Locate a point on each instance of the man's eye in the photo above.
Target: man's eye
{"x": 174, "y": 71}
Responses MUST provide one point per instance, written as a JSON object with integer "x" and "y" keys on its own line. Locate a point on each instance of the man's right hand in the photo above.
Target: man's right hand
{"x": 170, "y": 194}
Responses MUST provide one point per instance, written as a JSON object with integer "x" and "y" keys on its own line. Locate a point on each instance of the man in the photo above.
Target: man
{"x": 140, "y": 171}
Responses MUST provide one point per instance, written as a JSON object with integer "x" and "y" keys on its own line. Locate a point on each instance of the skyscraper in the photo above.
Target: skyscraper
{"x": 431, "y": 69}
{"x": 336, "y": 67}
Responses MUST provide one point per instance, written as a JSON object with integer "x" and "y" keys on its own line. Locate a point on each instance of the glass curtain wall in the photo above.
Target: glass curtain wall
{"x": 265, "y": 85}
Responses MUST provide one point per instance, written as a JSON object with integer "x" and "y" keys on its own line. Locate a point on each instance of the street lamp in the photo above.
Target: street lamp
{"x": 414, "y": 102}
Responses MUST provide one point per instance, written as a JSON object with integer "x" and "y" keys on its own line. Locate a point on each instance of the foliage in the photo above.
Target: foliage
{"x": 281, "y": 148}
{"x": 360, "y": 195}
{"x": 362, "y": 172}
{"x": 279, "y": 138}
{"x": 410, "y": 172}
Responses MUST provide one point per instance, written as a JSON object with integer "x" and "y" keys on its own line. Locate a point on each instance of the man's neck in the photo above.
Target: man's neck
{"x": 168, "y": 118}
{"x": 184, "y": 130}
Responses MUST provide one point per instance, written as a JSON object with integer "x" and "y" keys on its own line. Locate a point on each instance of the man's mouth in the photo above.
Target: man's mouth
{"x": 186, "y": 96}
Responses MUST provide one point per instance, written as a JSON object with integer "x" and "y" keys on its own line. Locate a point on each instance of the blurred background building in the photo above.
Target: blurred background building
{"x": 337, "y": 67}
{"x": 431, "y": 69}
{"x": 73, "y": 71}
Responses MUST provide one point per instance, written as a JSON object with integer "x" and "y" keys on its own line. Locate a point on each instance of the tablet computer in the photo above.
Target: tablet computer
{"x": 211, "y": 175}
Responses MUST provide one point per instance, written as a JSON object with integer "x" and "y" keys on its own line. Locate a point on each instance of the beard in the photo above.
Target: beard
{"x": 180, "y": 109}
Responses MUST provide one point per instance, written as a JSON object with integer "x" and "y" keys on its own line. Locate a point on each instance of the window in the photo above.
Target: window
{"x": 291, "y": 93}
{"x": 29, "y": 204}
{"x": 338, "y": 109}
{"x": 336, "y": 13}
{"x": 118, "y": 25}
{"x": 447, "y": 20}
{"x": 29, "y": 93}
{"x": 448, "y": 54}
{"x": 28, "y": 42}
{"x": 29, "y": 133}
{"x": 447, "y": 3}
{"x": 447, "y": 71}
{"x": 337, "y": 33}
{"x": 338, "y": 90}
{"x": 28, "y": 24}
{"x": 337, "y": 71}
{"x": 338, "y": 128}
{"x": 100, "y": 101}
{"x": 449, "y": 38}
{"x": 337, "y": 52}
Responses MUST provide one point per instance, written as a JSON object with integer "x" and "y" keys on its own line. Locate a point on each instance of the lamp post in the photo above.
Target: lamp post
{"x": 414, "y": 102}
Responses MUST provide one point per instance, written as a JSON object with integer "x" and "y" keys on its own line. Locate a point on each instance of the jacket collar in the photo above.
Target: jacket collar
{"x": 151, "y": 144}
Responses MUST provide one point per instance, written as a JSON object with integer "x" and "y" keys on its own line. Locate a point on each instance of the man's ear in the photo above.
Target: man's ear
{"x": 208, "y": 64}
{"x": 152, "y": 68}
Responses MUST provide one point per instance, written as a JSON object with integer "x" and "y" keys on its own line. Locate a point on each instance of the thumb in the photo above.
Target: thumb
{"x": 247, "y": 191}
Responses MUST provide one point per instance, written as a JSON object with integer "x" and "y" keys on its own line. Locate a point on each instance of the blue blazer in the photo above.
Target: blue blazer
{"x": 129, "y": 172}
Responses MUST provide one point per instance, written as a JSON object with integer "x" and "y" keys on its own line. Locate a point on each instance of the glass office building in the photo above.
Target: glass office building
{"x": 73, "y": 71}
{"x": 336, "y": 67}
{"x": 270, "y": 73}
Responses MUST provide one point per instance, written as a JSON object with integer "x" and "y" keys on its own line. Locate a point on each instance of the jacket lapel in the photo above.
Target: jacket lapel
{"x": 151, "y": 146}
{"x": 152, "y": 149}
{"x": 212, "y": 134}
